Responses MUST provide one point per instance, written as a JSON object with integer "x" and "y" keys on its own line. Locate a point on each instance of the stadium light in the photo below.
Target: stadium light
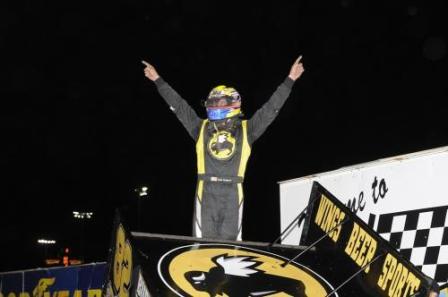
{"x": 82, "y": 215}
{"x": 46, "y": 241}
{"x": 142, "y": 191}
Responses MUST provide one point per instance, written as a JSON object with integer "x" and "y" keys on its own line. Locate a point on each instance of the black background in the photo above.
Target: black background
{"x": 81, "y": 126}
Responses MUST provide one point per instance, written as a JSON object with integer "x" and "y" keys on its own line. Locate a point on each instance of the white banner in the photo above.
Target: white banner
{"x": 404, "y": 198}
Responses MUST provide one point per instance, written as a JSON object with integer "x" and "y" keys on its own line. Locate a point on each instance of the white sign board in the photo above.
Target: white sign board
{"x": 404, "y": 198}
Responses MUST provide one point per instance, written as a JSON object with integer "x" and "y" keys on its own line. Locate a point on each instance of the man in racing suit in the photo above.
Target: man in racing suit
{"x": 223, "y": 145}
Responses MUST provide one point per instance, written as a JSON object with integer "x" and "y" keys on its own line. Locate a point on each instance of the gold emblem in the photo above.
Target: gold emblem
{"x": 221, "y": 145}
{"x": 227, "y": 270}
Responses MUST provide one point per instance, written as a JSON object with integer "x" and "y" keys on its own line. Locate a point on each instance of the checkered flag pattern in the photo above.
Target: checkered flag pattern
{"x": 421, "y": 236}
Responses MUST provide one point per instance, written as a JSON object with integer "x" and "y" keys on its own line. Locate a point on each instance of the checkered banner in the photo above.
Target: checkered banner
{"x": 331, "y": 227}
{"x": 421, "y": 236}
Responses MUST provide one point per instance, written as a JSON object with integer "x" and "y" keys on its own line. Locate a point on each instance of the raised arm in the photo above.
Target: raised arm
{"x": 178, "y": 105}
{"x": 269, "y": 111}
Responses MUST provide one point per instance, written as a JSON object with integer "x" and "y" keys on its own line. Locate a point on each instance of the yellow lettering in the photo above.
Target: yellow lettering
{"x": 355, "y": 253}
{"x": 390, "y": 273}
{"x": 361, "y": 247}
{"x": 94, "y": 293}
{"x": 351, "y": 241}
{"x": 337, "y": 231}
{"x": 122, "y": 263}
{"x": 409, "y": 282}
{"x": 41, "y": 289}
{"x": 370, "y": 253}
{"x": 401, "y": 282}
{"x": 395, "y": 279}
{"x": 416, "y": 285}
{"x": 362, "y": 251}
{"x": 24, "y": 294}
{"x": 389, "y": 265}
{"x": 329, "y": 218}
{"x": 77, "y": 293}
{"x": 118, "y": 259}
{"x": 382, "y": 277}
{"x": 64, "y": 293}
{"x": 320, "y": 212}
{"x": 333, "y": 220}
{"x": 413, "y": 284}
{"x": 127, "y": 271}
{"x": 11, "y": 294}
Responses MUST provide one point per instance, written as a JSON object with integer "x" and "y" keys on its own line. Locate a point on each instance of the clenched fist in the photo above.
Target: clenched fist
{"x": 150, "y": 71}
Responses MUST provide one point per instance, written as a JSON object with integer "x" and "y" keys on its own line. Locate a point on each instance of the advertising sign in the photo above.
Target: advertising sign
{"x": 403, "y": 198}
{"x": 142, "y": 264}
{"x": 384, "y": 270}
{"x": 74, "y": 281}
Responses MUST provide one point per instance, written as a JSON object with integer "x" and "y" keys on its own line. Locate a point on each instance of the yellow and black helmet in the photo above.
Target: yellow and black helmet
{"x": 223, "y": 102}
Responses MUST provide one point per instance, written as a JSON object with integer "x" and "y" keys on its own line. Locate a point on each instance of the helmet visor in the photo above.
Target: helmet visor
{"x": 219, "y": 102}
{"x": 215, "y": 114}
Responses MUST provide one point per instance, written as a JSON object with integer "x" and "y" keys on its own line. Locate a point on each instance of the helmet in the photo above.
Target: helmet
{"x": 223, "y": 102}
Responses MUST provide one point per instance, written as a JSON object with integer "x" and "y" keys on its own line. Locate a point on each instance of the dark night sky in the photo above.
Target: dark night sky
{"x": 82, "y": 127}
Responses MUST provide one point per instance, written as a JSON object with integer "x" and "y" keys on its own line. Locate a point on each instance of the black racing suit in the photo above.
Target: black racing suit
{"x": 222, "y": 155}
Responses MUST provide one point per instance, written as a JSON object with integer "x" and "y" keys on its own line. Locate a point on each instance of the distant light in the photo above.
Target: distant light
{"x": 75, "y": 261}
{"x": 46, "y": 241}
{"x": 142, "y": 191}
{"x": 65, "y": 261}
{"x": 82, "y": 215}
{"x": 52, "y": 261}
